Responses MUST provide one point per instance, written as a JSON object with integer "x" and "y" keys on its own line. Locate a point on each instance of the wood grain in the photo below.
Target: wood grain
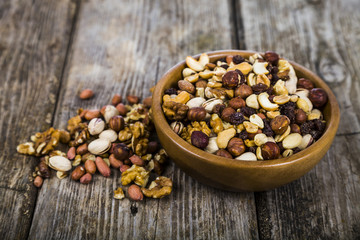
{"x": 124, "y": 47}
{"x": 324, "y": 36}
{"x": 33, "y": 40}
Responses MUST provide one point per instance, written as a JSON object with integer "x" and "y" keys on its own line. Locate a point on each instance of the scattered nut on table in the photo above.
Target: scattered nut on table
{"x": 115, "y": 137}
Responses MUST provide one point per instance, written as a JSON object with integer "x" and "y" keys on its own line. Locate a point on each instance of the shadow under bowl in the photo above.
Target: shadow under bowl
{"x": 237, "y": 175}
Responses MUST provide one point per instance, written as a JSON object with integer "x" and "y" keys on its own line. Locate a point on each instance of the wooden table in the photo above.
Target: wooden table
{"x": 50, "y": 50}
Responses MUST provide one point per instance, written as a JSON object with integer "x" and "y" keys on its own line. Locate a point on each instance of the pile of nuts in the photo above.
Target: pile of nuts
{"x": 116, "y": 136}
{"x": 247, "y": 109}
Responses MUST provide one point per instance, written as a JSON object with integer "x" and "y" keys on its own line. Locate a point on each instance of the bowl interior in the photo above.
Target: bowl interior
{"x": 331, "y": 115}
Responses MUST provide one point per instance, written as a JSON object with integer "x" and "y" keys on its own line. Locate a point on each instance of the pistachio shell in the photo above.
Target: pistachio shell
{"x": 99, "y": 146}
{"x": 60, "y": 163}
{"x": 109, "y": 134}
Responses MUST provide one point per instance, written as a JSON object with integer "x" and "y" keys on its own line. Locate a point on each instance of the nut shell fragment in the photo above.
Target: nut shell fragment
{"x": 60, "y": 163}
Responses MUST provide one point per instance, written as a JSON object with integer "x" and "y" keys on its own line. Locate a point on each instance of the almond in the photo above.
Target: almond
{"x": 135, "y": 193}
{"x": 78, "y": 173}
{"x": 90, "y": 166}
{"x": 86, "y": 94}
{"x": 86, "y": 178}
{"x": 102, "y": 167}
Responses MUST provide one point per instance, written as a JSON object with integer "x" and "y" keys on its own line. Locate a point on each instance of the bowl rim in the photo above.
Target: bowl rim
{"x": 330, "y": 130}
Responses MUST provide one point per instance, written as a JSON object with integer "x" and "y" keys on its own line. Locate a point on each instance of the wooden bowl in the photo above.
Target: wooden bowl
{"x": 232, "y": 174}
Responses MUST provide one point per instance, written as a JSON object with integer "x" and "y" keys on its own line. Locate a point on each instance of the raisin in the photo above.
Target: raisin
{"x": 247, "y": 111}
{"x": 252, "y": 149}
{"x": 267, "y": 129}
{"x": 243, "y": 135}
{"x": 225, "y": 66}
{"x": 237, "y": 118}
{"x": 288, "y": 109}
{"x": 237, "y": 59}
{"x": 218, "y": 108}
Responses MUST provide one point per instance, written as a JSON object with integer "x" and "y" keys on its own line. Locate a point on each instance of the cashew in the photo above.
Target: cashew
{"x": 262, "y": 78}
{"x": 292, "y": 141}
{"x": 258, "y": 153}
{"x": 292, "y": 82}
{"x": 282, "y": 99}
{"x": 248, "y": 156}
{"x": 251, "y": 79}
{"x": 280, "y": 89}
{"x": 260, "y": 139}
{"x": 272, "y": 114}
{"x": 204, "y": 59}
{"x": 224, "y": 137}
{"x": 315, "y": 114}
{"x": 250, "y": 127}
{"x": 264, "y": 101}
{"x": 260, "y": 67}
{"x": 244, "y": 67}
{"x": 255, "y": 119}
{"x": 206, "y": 74}
{"x": 187, "y": 72}
{"x": 219, "y": 71}
{"x": 192, "y": 78}
{"x": 252, "y": 101}
{"x": 194, "y": 64}
{"x": 212, "y": 147}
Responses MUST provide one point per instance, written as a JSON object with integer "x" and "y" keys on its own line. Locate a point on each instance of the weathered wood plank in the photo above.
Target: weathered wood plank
{"x": 324, "y": 36}
{"x": 33, "y": 40}
{"x": 124, "y": 47}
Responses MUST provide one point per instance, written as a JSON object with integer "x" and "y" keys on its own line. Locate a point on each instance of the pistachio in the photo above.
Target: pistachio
{"x": 211, "y": 103}
{"x": 109, "y": 135}
{"x": 109, "y": 112}
{"x": 306, "y": 141}
{"x": 195, "y": 102}
{"x": 96, "y": 126}
{"x": 99, "y": 146}
{"x": 177, "y": 127}
{"x": 60, "y": 163}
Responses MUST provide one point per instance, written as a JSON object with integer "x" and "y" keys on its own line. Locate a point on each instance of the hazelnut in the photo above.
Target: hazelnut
{"x": 237, "y": 103}
{"x": 318, "y": 97}
{"x": 231, "y": 79}
{"x": 279, "y": 124}
{"x": 108, "y": 112}
{"x": 121, "y": 151}
{"x": 199, "y": 139}
{"x": 271, "y": 57}
{"x": 147, "y": 102}
{"x": 132, "y": 99}
{"x": 117, "y": 123}
{"x": 153, "y": 146}
{"x": 300, "y": 116}
{"x": 122, "y": 109}
{"x": 116, "y": 99}
{"x": 196, "y": 114}
{"x": 243, "y": 91}
{"x": 236, "y": 146}
{"x": 270, "y": 150}
{"x": 294, "y": 128}
{"x": 223, "y": 153}
{"x": 226, "y": 113}
{"x": 305, "y": 83}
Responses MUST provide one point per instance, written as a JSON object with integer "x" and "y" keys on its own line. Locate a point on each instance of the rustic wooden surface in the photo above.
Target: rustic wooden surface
{"x": 50, "y": 50}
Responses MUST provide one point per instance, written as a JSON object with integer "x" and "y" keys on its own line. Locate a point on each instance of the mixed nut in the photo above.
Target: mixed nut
{"x": 247, "y": 109}
{"x": 116, "y": 136}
